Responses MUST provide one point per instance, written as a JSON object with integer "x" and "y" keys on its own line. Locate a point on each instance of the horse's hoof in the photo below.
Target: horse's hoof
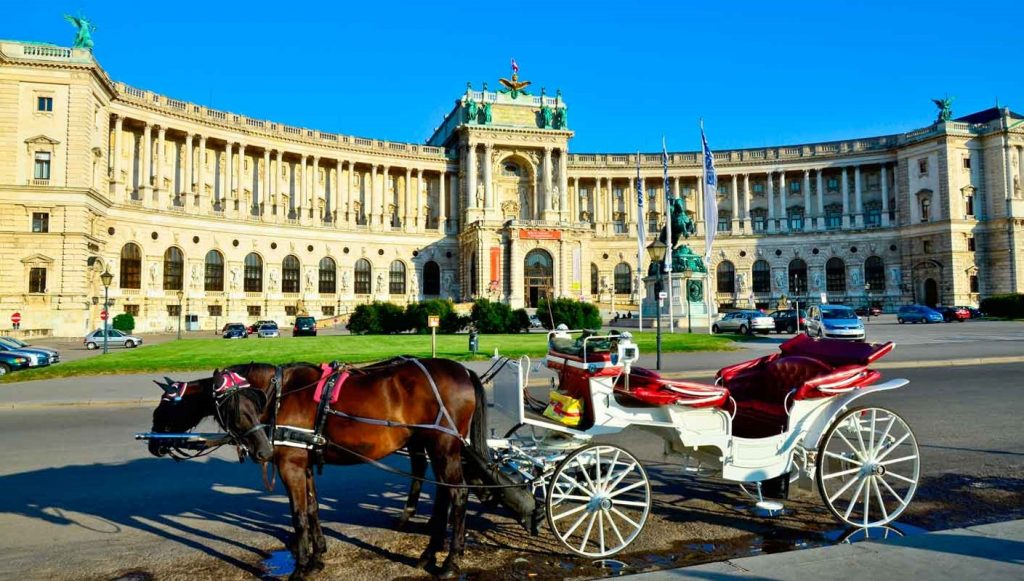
{"x": 426, "y": 562}
{"x": 402, "y": 524}
{"x": 317, "y": 566}
{"x": 448, "y": 572}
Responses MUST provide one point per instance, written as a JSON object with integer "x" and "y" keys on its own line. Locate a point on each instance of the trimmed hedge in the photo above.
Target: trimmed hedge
{"x": 124, "y": 322}
{"x": 491, "y": 317}
{"x": 451, "y": 322}
{"x": 572, "y": 313}
{"x": 1009, "y": 306}
{"x": 379, "y": 318}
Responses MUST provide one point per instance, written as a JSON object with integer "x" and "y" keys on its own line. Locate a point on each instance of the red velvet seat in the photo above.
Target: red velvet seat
{"x": 649, "y": 387}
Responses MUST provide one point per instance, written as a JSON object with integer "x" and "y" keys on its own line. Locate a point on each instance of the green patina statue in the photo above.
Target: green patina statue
{"x": 545, "y": 115}
{"x": 563, "y": 118}
{"x": 945, "y": 109}
{"x": 695, "y": 291}
{"x": 487, "y": 113}
{"x": 471, "y": 111}
{"x": 83, "y": 38}
{"x": 683, "y": 258}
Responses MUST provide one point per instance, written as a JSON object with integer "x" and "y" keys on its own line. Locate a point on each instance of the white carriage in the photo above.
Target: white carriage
{"x": 787, "y": 417}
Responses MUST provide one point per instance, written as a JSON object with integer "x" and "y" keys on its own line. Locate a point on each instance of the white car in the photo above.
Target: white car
{"x": 115, "y": 338}
{"x": 744, "y": 322}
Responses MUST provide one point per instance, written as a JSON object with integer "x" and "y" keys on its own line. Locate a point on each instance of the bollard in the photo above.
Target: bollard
{"x": 474, "y": 342}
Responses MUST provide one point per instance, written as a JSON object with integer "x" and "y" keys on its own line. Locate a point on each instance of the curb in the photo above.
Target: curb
{"x": 698, "y": 373}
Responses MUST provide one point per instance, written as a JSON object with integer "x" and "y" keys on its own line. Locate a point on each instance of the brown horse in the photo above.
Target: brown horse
{"x": 398, "y": 392}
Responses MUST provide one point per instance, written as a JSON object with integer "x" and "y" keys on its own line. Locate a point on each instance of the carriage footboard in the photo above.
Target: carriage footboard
{"x": 516, "y": 498}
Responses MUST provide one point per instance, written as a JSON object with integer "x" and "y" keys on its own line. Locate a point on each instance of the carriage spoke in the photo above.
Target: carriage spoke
{"x": 600, "y": 529}
{"x": 871, "y": 440}
{"x": 597, "y": 471}
{"x": 898, "y": 477}
{"x": 615, "y": 528}
{"x": 593, "y": 489}
{"x": 853, "y": 499}
{"x": 860, "y": 436}
{"x": 885, "y": 435}
{"x": 633, "y": 523}
{"x": 843, "y": 473}
{"x": 622, "y": 476}
{"x": 881, "y": 502}
{"x": 575, "y": 526}
{"x": 898, "y": 498}
{"x": 843, "y": 458}
{"x": 568, "y": 512}
{"x": 561, "y": 497}
{"x": 903, "y": 459}
{"x": 852, "y": 447}
{"x": 833, "y": 498}
{"x": 867, "y": 501}
{"x": 635, "y": 503}
{"x": 590, "y": 529}
{"x": 620, "y": 491}
{"x": 611, "y": 471}
{"x": 894, "y": 445}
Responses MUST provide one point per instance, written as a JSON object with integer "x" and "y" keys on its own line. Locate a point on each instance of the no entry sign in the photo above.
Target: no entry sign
{"x": 16, "y": 318}
{"x": 103, "y": 315}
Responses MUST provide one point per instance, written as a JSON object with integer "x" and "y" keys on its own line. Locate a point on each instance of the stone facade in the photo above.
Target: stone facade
{"x": 248, "y": 219}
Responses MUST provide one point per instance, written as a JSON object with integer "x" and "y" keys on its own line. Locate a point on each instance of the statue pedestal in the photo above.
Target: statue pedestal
{"x": 689, "y": 311}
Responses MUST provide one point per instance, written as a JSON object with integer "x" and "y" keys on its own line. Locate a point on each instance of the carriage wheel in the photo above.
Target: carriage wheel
{"x": 598, "y": 500}
{"x": 868, "y": 466}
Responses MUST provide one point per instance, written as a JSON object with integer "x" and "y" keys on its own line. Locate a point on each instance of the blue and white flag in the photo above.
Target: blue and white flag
{"x": 668, "y": 208}
{"x": 641, "y": 235}
{"x": 710, "y": 197}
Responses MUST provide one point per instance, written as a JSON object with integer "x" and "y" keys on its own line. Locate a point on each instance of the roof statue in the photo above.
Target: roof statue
{"x": 945, "y": 109}
{"x": 85, "y": 28}
{"x": 514, "y": 87}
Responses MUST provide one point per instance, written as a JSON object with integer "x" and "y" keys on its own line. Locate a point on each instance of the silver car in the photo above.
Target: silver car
{"x": 834, "y": 322}
{"x": 744, "y": 322}
{"x": 115, "y": 338}
{"x": 268, "y": 330}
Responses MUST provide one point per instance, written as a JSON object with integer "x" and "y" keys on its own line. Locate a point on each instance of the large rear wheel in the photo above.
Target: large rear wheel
{"x": 598, "y": 500}
{"x": 868, "y": 466}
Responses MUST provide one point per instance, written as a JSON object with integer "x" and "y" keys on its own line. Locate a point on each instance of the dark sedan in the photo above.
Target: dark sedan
{"x": 950, "y": 314}
{"x": 235, "y": 331}
{"x": 785, "y": 320}
{"x": 10, "y": 362}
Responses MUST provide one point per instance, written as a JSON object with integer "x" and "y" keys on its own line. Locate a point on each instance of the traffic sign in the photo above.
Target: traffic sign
{"x": 16, "y": 318}
{"x": 103, "y": 315}
{"x": 662, "y": 295}
{"x": 433, "y": 321}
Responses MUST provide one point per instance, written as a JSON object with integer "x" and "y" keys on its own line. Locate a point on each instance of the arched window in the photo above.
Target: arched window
{"x": 431, "y": 279}
{"x": 328, "y": 276}
{"x": 290, "y": 268}
{"x": 594, "y": 289}
{"x": 362, "y": 277}
{"x": 174, "y": 267}
{"x": 835, "y": 275}
{"x": 214, "y": 275}
{"x": 726, "y": 277}
{"x": 253, "y": 273}
{"x": 623, "y": 279}
{"x": 131, "y": 266}
{"x": 762, "y": 277}
{"x": 396, "y": 278}
{"x": 874, "y": 273}
{"x": 797, "y": 277}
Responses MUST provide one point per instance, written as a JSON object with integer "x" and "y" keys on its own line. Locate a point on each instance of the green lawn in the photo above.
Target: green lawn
{"x": 211, "y": 353}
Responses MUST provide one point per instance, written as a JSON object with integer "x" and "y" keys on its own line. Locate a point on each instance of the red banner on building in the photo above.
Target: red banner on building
{"x": 540, "y": 234}
{"x": 495, "y": 265}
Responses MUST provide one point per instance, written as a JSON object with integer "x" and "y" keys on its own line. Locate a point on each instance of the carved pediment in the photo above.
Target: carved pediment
{"x": 41, "y": 140}
{"x": 37, "y": 260}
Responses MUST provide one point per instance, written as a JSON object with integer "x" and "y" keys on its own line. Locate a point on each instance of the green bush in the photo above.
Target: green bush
{"x": 365, "y": 320}
{"x": 124, "y": 322}
{"x": 521, "y": 320}
{"x": 451, "y": 322}
{"x": 491, "y": 317}
{"x": 1010, "y": 306}
{"x": 572, "y": 313}
{"x": 392, "y": 318}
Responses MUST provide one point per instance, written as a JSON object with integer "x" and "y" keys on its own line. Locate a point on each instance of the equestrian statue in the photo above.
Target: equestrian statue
{"x": 683, "y": 258}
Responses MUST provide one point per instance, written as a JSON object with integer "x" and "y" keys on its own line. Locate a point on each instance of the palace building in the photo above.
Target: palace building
{"x": 222, "y": 217}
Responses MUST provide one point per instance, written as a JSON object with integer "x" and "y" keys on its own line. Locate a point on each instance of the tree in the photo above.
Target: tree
{"x": 124, "y": 322}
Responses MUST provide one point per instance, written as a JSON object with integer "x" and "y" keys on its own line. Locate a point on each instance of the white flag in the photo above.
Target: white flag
{"x": 710, "y": 197}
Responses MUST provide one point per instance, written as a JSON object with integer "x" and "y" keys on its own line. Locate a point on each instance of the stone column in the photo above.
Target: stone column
{"x": 676, "y": 192}
{"x": 225, "y": 190}
{"x": 734, "y": 224}
{"x": 783, "y": 203}
{"x": 598, "y": 206}
{"x": 771, "y": 204}
{"x": 374, "y": 214}
{"x": 488, "y": 181}
{"x": 161, "y": 152}
{"x": 189, "y": 182}
{"x": 885, "y": 195}
{"x": 204, "y": 205}
{"x": 347, "y": 215}
{"x": 118, "y": 145}
{"x": 821, "y": 201}
{"x": 407, "y": 201}
{"x": 275, "y": 184}
{"x": 846, "y": 200}
{"x": 147, "y": 165}
{"x": 336, "y": 200}
{"x": 547, "y": 183}
{"x": 259, "y": 193}
{"x": 240, "y": 177}
{"x": 471, "y": 169}
{"x": 746, "y": 201}
{"x": 807, "y": 200}
{"x": 442, "y": 216}
{"x": 563, "y": 184}
{"x": 420, "y": 201}
{"x": 858, "y": 201}
{"x": 301, "y": 187}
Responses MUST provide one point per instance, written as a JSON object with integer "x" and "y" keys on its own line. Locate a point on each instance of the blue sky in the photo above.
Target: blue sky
{"x": 759, "y": 73}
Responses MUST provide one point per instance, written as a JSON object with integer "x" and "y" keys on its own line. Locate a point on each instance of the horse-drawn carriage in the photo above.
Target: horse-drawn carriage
{"x": 782, "y": 418}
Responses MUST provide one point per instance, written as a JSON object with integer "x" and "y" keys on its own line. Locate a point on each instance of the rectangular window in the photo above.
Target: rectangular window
{"x": 132, "y": 310}
{"x": 37, "y": 280}
{"x": 42, "y": 166}
{"x": 723, "y": 189}
{"x": 290, "y": 310}
{"x": 759, "y": 223}
{"x": 254, "y": 310}
{"x": 620, "y": 227}
{"x": 970, "y": 244}
{"x": 873, "y": 217}
{"x": 215, "y": 310}
{"x": 618, "y": 193}
{"x": 173, "y": 310}
{"x": 974, "y": 283}
{"x": 832, "y": 184}
{"x": 969, "y": 205}
{"x": 967, "y": 163}
{"x": 40, "y": 222}
{"x": 922, "y": 166}
{"x": 44, "y": 104}
{"x": 723, "y": 224}
{"x": 796, "y": 222}
{"x": 327, "y": 311}
{"x": 794, "y": 187}
{"x": 833, "y": 219}
{"x": 758, "y": 188}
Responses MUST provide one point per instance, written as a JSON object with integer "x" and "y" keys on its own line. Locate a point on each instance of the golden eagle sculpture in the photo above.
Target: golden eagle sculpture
{"x": 515, "y": 86}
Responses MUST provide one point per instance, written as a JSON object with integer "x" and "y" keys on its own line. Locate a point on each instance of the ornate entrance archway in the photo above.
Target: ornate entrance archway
{"x": 538, "y": 276}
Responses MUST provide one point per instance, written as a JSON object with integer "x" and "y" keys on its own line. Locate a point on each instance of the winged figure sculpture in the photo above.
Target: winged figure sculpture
{"x": 515, "y": 86}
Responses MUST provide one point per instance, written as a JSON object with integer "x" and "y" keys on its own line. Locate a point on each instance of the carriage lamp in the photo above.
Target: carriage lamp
{"x": 656, "y": 251}
{"x": 106, "y": 278}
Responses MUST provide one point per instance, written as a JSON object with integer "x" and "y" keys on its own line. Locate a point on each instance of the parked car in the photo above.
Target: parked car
{"x": 785, "y": 320}
{"x": 872, "y": 311}
{"x": 256, "y": 326}
{"x": 115, "y": 338}
{"x": 235, "y": 331}
{"x": 16, "y": 343}
{"x": 10, "y": 362}
{"x": 304, "y": 326}
{"x": 268, "y": 329}
{"x": 917, "y": 314}
{"x": 975, "y": 313}
{"x": 744, "y": 322}
{"x": 835, "y": 322}
{"x": 535, "y": 322}
{"x": 37, "y": 357}
{"x": 950, "y": 314}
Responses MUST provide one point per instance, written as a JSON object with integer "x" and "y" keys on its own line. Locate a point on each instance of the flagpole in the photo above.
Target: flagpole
{"x": 668, "y": 224}
{"x": 639, "y": 239}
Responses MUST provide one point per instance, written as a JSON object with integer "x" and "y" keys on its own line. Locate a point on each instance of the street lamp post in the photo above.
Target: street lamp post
{"x": 657, "y": 253}
{"x": 181, "y": 295}
{"x": 106, "y": 278}
{"x": 867, "y": 300}
{"x": 796, "y": 300}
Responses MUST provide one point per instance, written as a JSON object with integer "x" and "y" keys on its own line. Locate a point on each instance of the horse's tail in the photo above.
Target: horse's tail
{"x": 478, "y": 427}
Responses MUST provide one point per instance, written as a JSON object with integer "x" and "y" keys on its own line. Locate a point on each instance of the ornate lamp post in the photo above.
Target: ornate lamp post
{"x": 656, "y": 251}
{"x": 796, "y": 300}
{"x": 867, "y": 299}
{"x": 181, "y": 295}
{"x": 106, "y": 278}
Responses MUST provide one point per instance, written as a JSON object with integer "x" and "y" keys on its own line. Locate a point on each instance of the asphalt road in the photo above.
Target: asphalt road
{"x": 81, "y": 499}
